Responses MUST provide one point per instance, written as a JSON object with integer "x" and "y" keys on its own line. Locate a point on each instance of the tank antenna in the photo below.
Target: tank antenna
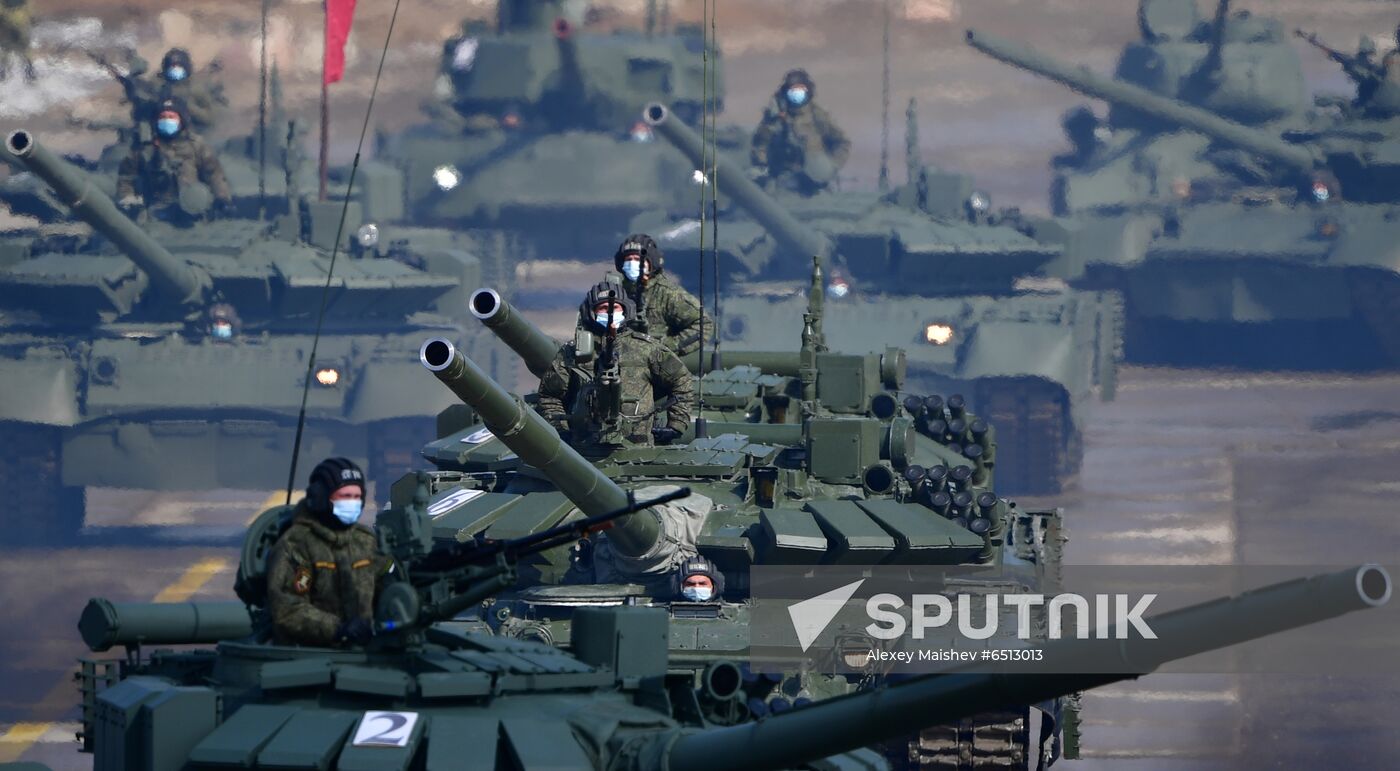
{"x": 885, "y": 104}
{"x": 262, "y": 113}
{"x": 714, "y": 186}
{"x": 335, "y": 252}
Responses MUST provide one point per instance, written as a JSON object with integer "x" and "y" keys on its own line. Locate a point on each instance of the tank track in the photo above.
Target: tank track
{"x": 1038, "y": 447}
{"x": 41, "y": 510}
{"x": 992, "y": 740}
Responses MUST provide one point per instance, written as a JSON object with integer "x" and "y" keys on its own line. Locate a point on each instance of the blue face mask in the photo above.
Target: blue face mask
{"x": 175, "y": 73}
{"x": 618, "y": 318}
{"x": 348, "y": 512}
{"x": 641, "y": 135}
{"x": 632, "y": 269}
{"x": 223, "y": 331}
{"x": 168, "y": 127}
{"x": 797, "y": 96}
{"x": 697, "y": 593}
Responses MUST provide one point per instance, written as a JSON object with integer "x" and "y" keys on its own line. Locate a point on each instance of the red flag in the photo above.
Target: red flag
{"x": 339, "y": 15}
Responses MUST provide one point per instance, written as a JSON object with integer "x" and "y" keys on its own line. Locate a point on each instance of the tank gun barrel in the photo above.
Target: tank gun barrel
{"x": 1091, "y": 84}
{"x": 857, "y": 720}
{"x": 104, "y": 624}
{"x": 173, "y": 278}
{"x": 530, "y": 437}
{"x": 761, "y": 206}
{"x": 534, "y": 347}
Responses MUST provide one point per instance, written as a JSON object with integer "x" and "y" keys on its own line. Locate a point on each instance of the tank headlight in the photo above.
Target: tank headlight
{"x": 938, "y": 334}
{"x": 1320, "y": 192}
{"x": 447, "y": 177}
{"x": 368, "y": 235}
{"x": 979, "y": 202}
{"x": 838, "y": 288}
{"x": 328, "y": 376}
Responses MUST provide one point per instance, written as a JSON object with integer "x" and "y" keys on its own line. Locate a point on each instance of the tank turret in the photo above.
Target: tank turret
{"x": 176, "y": 280}
{"x": 736, "y": 183}
{"x": 529, "y": 436}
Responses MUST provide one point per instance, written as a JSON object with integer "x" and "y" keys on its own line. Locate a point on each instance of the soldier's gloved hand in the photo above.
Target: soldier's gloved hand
{"x": 665, "y": 435}
{"x": 356, "y": 630}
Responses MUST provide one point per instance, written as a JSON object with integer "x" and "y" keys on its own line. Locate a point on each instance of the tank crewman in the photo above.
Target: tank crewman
{"x": 605, "y": 387}
{"x": 670, "y": 313}
{"x": 203, "y": 99}
{"x": 154, "y": 173}
{"x": 698, "y": 580}
{"x": 15, "y": 22}
{"x": 324, "y": 570}
{"x": 797, "y": 145}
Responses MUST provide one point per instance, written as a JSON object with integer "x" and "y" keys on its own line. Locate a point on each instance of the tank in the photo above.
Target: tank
{"x": 427, "y": 693}
{"x": 927, "y": 268}
{"x": 115, "y": 376}
{"x": 781, "y": 483}
{"x": 537, "y": 120}
{"x": 1267, "y": 248}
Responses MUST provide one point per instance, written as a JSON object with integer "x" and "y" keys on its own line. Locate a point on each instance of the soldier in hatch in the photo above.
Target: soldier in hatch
{"x": 607, "y": 397}
{"x": 668, "y": 312}
{"x": 202, "y": 98}
{"x": 797, "y": 146}
{"x": 324, "y": 571}
{"x": 154, "y": 173}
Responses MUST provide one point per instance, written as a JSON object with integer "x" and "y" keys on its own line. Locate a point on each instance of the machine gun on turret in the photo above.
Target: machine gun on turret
{"x": 1360, "y": 68}
{"x": 437, "y": 582}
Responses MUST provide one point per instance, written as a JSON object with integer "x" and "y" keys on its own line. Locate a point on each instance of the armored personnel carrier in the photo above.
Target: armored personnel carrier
{"x": 927, "y": 269}
{"x": 1252, "y": 244}
{"x": 178, "y": 362}
{"x": 539, "y": 122}
{"x": 426, "y": 694}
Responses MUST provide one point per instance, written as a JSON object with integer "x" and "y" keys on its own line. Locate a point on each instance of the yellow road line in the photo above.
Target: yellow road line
{"x": 19, "y": 738}
{"x": 276, "y": 498}
{"x": 193, "y": 579}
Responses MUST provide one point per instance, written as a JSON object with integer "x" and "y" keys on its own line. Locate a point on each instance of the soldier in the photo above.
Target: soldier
{"x": 605, "y": 394}
{"x": 669, "y": 313}
{"x": 698, "y": 580}
{"x": 202, "y": 99}
{"x": 14, "y": 37}
{"x": 175, "y": 158}
{"x": 324, "y": 570}
{"x": 797, "y": 145}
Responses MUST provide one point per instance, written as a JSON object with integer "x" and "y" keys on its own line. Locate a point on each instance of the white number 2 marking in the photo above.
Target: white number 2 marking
{"x": 385, "y": 729}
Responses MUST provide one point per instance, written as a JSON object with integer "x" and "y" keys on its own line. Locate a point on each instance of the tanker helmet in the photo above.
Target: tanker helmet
{"x": 644, "y": 245}
{"x": 330, "y": 475}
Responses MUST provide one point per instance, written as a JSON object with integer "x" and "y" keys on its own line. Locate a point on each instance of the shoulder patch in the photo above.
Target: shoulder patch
{"x": 301, "y": 581}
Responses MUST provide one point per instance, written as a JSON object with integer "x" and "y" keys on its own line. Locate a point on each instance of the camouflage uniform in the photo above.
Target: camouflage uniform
{"x": 787, "y": 134}
{"x": 673, "y": 315}
{"x": 319, "y": 577}
{"x": 648, "y": 371}
{"x": 15, "y": 22}
{"x": 158, "y": 169}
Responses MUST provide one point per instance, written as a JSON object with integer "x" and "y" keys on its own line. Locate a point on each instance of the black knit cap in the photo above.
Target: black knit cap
{"x": 330, "y": 475}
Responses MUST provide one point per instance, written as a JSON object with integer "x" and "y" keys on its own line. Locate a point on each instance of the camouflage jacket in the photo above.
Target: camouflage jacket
{"x": 673, "y": 315}
{"x": 648, "y": 374}
{"x": 157, "y": 170}
{"x": 783, "y": 139}
{"x": 318, "y": 577}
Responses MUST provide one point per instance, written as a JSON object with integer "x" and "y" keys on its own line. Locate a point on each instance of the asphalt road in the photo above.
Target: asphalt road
{"x": 1183, "y": 468}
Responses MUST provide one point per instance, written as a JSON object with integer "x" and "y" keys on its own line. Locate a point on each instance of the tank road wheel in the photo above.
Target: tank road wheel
{"x": 40, "y": 509}
{"x": 394, "y": 447}
{"x": 992, "y": 740}
{"x": 1038, "y": 447}
{"x": 1377, "y": 301}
